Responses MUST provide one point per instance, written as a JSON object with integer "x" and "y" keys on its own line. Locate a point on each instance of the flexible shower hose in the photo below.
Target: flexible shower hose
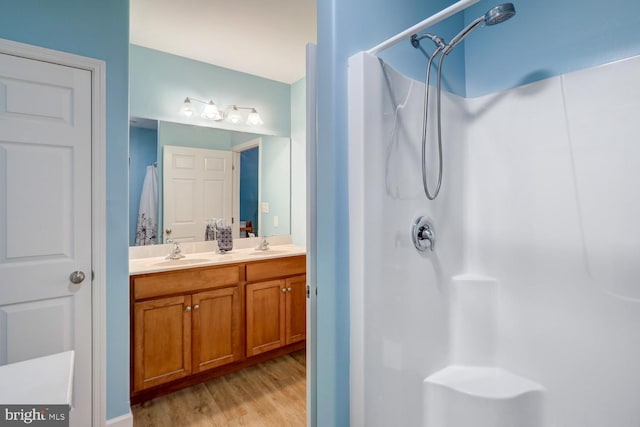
{"x": 425, "y": 125}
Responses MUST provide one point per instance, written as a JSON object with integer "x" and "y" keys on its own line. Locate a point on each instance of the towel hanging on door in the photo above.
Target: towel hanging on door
{"x": 147, "y": 229}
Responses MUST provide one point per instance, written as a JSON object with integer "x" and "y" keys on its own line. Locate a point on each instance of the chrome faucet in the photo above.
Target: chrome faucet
{"x": 423, "y": 234}
{"x": 263, "y": 245}
{"x": 176, "y": 252}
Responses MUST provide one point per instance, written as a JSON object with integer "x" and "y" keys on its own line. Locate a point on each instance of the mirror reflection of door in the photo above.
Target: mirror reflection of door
{"x": 249, "y": 176}
{"x": 273, "y": 205}
{"x": 197, "y": 186}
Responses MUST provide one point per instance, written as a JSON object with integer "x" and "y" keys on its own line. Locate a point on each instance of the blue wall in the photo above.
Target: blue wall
{"x": 275, "y": 185}
{"x": 97, "y": 29}
{"x": 160, "y": 82}
{"x": 344, "y": 28}
{"x": 143, "y": 150}
{"x": 544, "y": 39}
{"x": 547, "y": 38}
{"x": 192, "y": 136}
{"x": 299, "y": 163}
{"x": 249, "y": 177}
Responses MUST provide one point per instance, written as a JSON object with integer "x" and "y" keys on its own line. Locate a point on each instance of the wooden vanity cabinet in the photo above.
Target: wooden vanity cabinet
{"x": 276, "y": 314}
{"x": 179, "y": 335}
{"x": 217, "y": 328}
{"x": 275, "y": 309}
{"x": 296, "y": 311}
{"x": 265, "y": 316}
{"x": 195, "y": 324}
{"x": 162, "y": 341}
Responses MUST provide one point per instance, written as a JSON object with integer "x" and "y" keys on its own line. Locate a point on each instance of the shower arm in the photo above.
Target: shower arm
{"x": 459, "y": 6}
{"x": 437, "y": 40}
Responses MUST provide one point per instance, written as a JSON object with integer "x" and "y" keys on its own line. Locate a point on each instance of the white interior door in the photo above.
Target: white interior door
{"x": 45, "y": 218}
{"x": 197, "y": 187}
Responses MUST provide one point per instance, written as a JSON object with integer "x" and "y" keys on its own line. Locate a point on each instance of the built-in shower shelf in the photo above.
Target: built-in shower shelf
{"x": 470, "y": 396}
{"x": 488, "y": 382}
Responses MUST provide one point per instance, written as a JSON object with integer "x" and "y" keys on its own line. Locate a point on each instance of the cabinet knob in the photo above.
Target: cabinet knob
{"x": 197, "y": 306}
{"x": 289, "y": 289}
{"x": 188, "y": 308}
{"x": 283, "y": 290}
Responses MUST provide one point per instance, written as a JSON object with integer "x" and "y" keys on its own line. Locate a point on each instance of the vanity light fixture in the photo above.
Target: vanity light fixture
{"x": 187, "y": 108}
{"x": 210, "y": 110}
{"x": 234, "y": 115}
{"x": 254, "y": 118}
{"x": 230, "y": 112}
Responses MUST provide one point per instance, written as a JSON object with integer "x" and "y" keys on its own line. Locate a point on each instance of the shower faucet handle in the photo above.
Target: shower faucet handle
{"x": 426, "y": 233}
{"x": 423, "y": 234}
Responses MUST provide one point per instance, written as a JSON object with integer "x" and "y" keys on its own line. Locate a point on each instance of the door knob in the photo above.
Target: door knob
{"x": 76, "y": 277}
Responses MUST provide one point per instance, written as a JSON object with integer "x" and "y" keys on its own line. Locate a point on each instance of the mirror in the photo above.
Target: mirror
{"x": 261, "y": 178}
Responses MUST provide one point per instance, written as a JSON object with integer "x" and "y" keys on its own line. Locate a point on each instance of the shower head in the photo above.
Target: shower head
{"x": 495, "y": 15}
{"x": 499, "y": 13}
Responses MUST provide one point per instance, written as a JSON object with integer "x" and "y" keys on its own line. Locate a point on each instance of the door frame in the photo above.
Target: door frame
{"x": 311, "y": 91}
{"x": 236, "y": 150}
{"x": 97, "y": 68}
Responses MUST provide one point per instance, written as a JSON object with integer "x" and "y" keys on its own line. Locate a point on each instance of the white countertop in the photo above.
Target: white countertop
{"x": 45, "y": 380}
{"x": 203, "y": 259}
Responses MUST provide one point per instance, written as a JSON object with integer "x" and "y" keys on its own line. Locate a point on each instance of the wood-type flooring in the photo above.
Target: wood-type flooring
{"x": 272, "y": 393}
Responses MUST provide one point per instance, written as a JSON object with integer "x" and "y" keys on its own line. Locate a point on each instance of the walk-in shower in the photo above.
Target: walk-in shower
{"x": 494, "y": 16}
{"x": 524, "y": 313}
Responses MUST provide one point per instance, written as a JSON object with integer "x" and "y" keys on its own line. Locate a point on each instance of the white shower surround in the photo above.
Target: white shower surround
{"x": 540, "y": 194}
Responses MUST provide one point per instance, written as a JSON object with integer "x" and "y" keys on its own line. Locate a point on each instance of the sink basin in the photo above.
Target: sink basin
{"x": 268, "y": 252}
{"x": 181, "y": 261}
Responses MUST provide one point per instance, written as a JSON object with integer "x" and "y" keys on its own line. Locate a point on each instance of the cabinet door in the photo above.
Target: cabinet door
{"x": 296, "y": 311}
{"x": 265, "y": 316}
{"x": 162, "y": 341}
{"x": 216, "y": 328}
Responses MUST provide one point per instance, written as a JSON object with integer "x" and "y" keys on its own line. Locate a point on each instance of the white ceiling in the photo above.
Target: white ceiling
{"x": 265, "y": 38}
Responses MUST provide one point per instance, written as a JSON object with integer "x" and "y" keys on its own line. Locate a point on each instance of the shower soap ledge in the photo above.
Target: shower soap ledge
{"x": 464, "y": 396}
{"x": 488, "y": 382}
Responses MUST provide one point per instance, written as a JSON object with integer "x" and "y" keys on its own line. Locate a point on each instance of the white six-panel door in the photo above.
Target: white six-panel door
{"x": 197, "y": 187}
{"x": 45, "y": 217}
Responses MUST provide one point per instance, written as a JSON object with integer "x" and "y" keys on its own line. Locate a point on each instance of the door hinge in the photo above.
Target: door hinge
{"x": 308, "y": 291}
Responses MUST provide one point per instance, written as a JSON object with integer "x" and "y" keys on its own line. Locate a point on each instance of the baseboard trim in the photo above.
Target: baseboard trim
{"x": 125, "y": 420}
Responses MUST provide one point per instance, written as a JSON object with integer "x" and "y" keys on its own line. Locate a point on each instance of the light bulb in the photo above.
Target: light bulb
{"x": 187, "y": 109}
{"x": 211, "y": 111}
{"x": 254, "y": 118}
{"x": 234, "y": 115}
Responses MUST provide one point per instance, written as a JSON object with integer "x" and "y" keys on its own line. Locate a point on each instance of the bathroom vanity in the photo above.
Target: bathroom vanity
{"x": 209, "y": 314}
